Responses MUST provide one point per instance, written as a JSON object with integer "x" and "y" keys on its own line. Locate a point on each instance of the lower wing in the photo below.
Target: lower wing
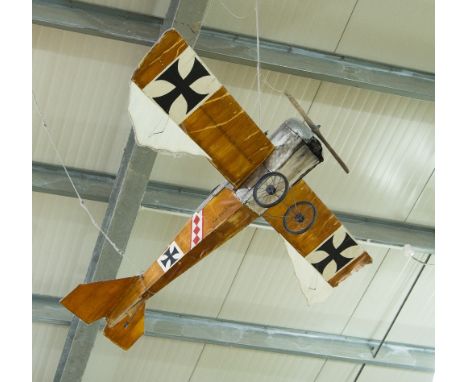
{"x": 317, "y": 235}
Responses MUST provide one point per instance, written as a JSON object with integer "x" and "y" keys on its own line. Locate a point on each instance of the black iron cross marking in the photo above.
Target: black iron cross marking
{"x": 182, "y": 86}
{"x": 170, "y": 257}
{"x": 335, "y": 253}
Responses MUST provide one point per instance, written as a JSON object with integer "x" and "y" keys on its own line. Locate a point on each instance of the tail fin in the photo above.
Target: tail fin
{"x": 127, "y": 331}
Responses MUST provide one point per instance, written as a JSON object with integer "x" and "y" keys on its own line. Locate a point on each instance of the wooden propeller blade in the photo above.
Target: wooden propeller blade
{"x": 316, "y": 131}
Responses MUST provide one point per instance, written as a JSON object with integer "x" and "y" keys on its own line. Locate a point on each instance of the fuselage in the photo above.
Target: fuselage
{"x": 296, "y": 153}
{"x": 228, "y": 210}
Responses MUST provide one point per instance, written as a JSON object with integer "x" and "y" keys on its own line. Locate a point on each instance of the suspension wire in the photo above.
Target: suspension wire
{"x": 81, "y": 200}
{"x": 384, "y": 338}
{"x": 259, "y": 89}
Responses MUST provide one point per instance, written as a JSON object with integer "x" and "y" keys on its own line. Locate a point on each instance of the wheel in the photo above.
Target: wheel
{"x": 270, "y": 189}
{"x": 299, "y": 217}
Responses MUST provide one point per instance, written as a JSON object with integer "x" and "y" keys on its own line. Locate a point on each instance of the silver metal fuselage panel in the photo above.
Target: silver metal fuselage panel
{"x": 291, "y": 157}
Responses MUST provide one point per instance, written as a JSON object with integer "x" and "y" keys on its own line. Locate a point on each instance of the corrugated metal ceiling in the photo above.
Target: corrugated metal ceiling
{"x": 387, "y": 140}
{"x": 47, "y": 345}
{"x": 81, "y": 83}
{"x": 402, "y": 31}
{"x": 148, "y": 7}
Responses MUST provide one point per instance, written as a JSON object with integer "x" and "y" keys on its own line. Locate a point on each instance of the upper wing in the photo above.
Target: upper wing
{"x": 181, "y": 86}
{"x": 326, "y": 244}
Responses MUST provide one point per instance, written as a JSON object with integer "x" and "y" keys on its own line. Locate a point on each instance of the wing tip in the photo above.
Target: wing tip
{"x": 358, "y": 262}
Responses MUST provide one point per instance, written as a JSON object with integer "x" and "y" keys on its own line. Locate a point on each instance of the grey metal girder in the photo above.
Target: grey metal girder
{"x": 231, "y": 47}
{"x": 125, "y": 197}
{"x": 123, "y": 206}
{"x": 46, "y": 309}
{"x": 92, "y": 185}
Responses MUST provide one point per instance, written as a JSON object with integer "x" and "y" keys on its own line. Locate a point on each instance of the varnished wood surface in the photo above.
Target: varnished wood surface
{"x": 93, "y": 301}
{"x": 325, "y": 223}
{"x": 350, "y": 268}
{"x": 163, "y": 52}
{"x": 126, "y": 332}
{"x": 224, "y": 216}
{"x": 218, "y": 125}
{"x": 229, "y": 136}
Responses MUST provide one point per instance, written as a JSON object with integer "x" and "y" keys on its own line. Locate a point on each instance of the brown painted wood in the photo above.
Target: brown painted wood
{"x": 96, "y": 300}
{"x": 219, "y": 125}
{"x": 229, "y": 136}
{"x": 224, "y": 217}
{"x": 325, "y": 224}
{"x": 126, "y": 332}
{"x": 163, "y": 52}
{"x": 353, "y": 266}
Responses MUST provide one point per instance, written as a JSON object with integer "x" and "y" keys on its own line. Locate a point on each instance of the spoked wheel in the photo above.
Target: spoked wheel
{"x": 270, "y": 189}
{"x": 299, "y": 217}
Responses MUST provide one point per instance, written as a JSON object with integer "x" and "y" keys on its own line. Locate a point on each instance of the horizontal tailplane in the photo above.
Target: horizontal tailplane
{"x": 93, "y": 301}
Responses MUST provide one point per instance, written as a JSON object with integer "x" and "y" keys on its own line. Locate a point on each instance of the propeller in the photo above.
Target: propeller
{"x": 315, "y": 129}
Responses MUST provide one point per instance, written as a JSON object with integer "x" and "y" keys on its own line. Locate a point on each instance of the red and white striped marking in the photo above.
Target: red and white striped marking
{"x": 197, "y": 228}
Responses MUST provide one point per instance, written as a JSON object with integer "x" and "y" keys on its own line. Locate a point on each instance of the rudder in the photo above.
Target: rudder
{"x": 129, "y": 329}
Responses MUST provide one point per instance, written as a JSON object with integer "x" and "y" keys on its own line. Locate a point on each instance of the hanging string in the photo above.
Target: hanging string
{"x": 231, "y": 12}
{"x": 259, "y": 90}
{"x": 409, "y": 252}
{"x": 81, "y": 201}
{"x": 266, "y": 82}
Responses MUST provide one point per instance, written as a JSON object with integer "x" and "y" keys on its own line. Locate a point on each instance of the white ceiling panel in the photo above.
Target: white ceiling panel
{"x": 63, "y": 239}
{"x": 384, "y": 296}
{"x": 47, "y": 345}
{"x": 337, "y": 371}
{"x": 347, "y": 372}
{"x": 233, "y": 364}
{"x": 317, "y": 23}
{"x": 150, "y": 359}
{"x": 387, "y": 141}
{"x": 416, "y": 321}
{"x": 81, "y": 84}
{"x": 148, "y": 7}
{"x": 398, "y": 32}
{"x": 424, "y": 209}
{"x": 266, "y": 290}
{"x": 382, "y": 374}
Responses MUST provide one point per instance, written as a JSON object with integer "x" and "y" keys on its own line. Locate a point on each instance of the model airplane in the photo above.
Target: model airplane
{"x": 264, "y": 178}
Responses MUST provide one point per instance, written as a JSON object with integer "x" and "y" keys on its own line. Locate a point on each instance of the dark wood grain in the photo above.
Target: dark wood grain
{"x": 163, "y": 52}
{"x": 229, "y": 136}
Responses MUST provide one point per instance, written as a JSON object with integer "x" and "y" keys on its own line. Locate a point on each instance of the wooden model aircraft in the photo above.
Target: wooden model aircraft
{"x": 264, "y": 178}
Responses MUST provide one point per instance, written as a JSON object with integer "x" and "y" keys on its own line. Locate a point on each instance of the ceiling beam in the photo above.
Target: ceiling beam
{"x": 124, "y": 203}
{"x": 306, "y": 62}
{"x": 125, "y": 195}
{"x": 185, "y": 327}
{"x": 96, "y": 186}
